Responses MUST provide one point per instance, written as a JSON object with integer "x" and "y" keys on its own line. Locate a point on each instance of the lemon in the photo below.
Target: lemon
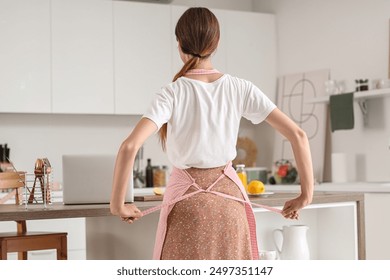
{"x": 256, "y": 187}
{"x": 159, "y": 190}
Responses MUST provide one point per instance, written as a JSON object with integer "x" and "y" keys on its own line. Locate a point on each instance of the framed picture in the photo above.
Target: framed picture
{"x": 293, "y": 91}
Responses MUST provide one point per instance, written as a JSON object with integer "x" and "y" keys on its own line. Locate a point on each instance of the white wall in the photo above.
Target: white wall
{"x": 351, "y": 38}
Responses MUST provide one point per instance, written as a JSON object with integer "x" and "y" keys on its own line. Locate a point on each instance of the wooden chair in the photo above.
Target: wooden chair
{"x": 23, "y": 241}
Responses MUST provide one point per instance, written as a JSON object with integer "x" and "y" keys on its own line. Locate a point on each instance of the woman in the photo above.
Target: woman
{"x": 206, "y": 213}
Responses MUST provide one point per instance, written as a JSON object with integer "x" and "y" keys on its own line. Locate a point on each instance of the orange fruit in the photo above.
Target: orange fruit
{"x": 256, "y": 187}
{"x": 159, "y": 190}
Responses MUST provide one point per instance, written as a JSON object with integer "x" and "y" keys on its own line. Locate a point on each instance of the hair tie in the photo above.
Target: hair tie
{"x": 196, "y": 55}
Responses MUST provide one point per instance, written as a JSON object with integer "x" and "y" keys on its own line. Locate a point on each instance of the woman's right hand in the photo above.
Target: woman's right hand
{"x": 291, "y": 208}
{"x": 127, "y": 212}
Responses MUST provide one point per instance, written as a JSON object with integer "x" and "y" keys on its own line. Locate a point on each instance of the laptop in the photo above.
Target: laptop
{"x": 87, "y": 179}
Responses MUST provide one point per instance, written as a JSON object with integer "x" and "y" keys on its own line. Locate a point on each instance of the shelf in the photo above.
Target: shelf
{"x": 359, "y": 95}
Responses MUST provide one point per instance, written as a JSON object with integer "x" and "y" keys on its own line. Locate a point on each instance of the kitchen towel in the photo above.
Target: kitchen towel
{"x": 341, "y": 111}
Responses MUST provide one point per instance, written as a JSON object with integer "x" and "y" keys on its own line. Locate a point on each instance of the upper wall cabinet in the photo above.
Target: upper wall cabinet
{"x": 82, "y": 56}
{"x": 25, "y": 56}
{"x": 251, "y": 48}
{"x": 111, "y": 57}
{"x": 177, "y": 64}
{"x": 142, "y": 33}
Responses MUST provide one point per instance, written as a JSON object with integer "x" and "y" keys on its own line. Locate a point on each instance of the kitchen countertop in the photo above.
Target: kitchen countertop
{"x": 11, "y": 212}
{"x": 364, "y": 187}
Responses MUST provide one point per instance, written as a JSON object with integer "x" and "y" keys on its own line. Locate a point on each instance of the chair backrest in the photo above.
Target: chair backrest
{"x": 12, "y": 181}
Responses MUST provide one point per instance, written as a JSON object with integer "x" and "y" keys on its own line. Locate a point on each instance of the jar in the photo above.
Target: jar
{"x": 257, "y": 173}
{"x": 240, "y": 169}
{"x": 159, "y": 176}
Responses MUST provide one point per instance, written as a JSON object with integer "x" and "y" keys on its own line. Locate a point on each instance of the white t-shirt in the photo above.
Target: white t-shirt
{"x": 203, "y": 118}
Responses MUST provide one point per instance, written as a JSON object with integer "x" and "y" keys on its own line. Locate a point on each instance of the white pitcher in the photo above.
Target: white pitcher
{"x": 294, "y": 245}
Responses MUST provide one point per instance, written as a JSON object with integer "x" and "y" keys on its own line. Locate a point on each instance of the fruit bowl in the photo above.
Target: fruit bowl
{"x": 285, "y": 172}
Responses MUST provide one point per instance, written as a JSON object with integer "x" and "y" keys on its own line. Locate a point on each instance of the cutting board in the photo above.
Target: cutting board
{"x": 150, "y": 197}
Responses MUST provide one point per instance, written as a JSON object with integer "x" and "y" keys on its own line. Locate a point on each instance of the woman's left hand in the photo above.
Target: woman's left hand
{"x": 128, "y": 213}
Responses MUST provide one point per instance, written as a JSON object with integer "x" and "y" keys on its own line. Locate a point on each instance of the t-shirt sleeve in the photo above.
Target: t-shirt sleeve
{"x": 160, "y": 109}
{"x": 256, "y": 106}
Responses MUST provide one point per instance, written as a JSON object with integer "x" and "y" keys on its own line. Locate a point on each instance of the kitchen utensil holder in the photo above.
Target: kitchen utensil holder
{"x": 36, "y": 190}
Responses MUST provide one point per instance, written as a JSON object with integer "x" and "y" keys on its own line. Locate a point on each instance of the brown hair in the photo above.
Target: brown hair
{"x": 197, "y": 32}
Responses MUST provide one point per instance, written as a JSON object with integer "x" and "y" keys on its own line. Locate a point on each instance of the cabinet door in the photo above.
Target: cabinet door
{"x": 82, "y": 56}
{"x": 251, "y": 48}
{"x": 142, "y": 54}
{"x": 177, "y": 64}
{"x": 25, "y": 56}
{"x": 219, "y": 57}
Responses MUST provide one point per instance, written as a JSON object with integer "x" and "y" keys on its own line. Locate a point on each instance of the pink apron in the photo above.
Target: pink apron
{"x": 180, "y": 181}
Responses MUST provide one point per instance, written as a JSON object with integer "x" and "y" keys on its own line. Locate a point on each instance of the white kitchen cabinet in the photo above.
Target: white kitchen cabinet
{"x": 220, "y": 58}
{"x": 177, "y": 63}
{"x": 25, "y": 56}
{"x": 377, "y": 226}
{"x": 142, "y": 33}
{"x": 82, "y": 57}
{"x": 110, "y": 57}
{"x": 251, "y": 48}
{"x": 332, "y": 233}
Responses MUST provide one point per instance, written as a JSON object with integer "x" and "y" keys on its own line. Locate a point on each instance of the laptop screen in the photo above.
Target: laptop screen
{"x": 88, "y": 179}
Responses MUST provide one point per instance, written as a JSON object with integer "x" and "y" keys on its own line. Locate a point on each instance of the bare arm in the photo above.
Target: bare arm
{"x": 300, "y": 145}
{"x": 124, "y": 165}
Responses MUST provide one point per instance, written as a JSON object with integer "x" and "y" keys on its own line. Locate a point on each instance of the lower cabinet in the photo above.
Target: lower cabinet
{"x": 108, "y": 238}
{"x": 332, "y": 233}
{"x": 377, "y": 226}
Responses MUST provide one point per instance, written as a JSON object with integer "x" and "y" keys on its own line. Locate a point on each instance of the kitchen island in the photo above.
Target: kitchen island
{"x": 109, "y": 238}
{"x": 376, "y": 201}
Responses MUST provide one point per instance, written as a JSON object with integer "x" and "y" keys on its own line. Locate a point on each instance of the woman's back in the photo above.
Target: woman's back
{"x": 203, "y": 118}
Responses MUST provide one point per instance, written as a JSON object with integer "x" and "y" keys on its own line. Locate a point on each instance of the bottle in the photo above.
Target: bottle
{"x": 242, "y": 175}
{"x": 149, "y": 174}
{"x": 166, "y": 174}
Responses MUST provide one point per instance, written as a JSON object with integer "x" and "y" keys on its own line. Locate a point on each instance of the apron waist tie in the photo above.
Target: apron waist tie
{"x": 166, "y": 204}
